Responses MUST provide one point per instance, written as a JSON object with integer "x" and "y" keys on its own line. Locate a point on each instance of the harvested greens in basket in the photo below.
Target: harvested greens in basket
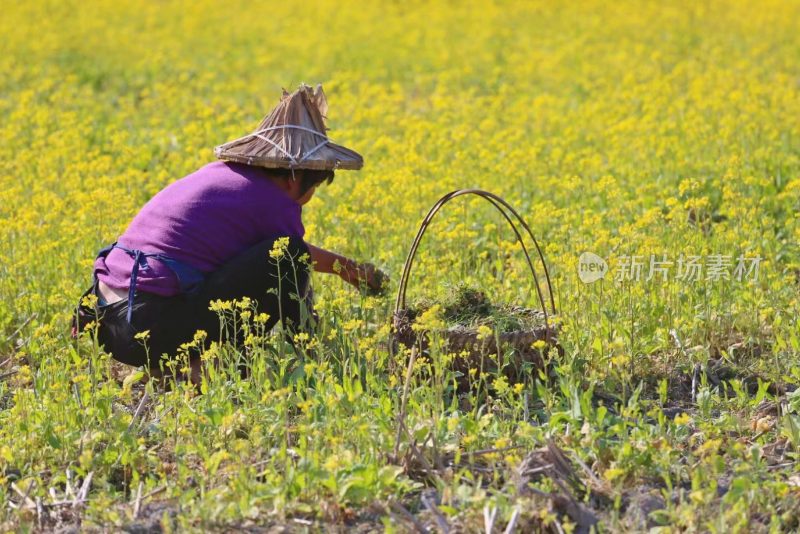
{"x": 466, "y": 307}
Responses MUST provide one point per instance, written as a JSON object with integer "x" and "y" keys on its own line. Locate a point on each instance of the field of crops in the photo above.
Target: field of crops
{"x": 663, "y": 137}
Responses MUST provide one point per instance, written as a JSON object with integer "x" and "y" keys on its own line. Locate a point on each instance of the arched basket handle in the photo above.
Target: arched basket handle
{"x": 510, "y": 215}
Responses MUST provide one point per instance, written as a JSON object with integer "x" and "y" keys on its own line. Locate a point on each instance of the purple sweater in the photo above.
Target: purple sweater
{"x": 204, "y": 220}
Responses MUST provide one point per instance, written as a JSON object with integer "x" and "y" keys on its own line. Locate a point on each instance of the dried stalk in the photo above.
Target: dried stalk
{"x": 138, "y": 411}
{"x": 488, "y": 519}
{"x": 137, "y": 505}
{"x": 401, "y": 417}
{"x": 513, "y": 522}
{"x": 430, "y": 505}
{"x": 400, "y": 509}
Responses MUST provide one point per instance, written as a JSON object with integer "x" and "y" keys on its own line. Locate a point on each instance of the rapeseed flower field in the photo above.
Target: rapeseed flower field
{"x": 662, "y": 138}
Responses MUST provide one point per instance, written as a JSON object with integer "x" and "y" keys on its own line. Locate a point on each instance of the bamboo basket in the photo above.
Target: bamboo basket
{"x": 512, "y": 352}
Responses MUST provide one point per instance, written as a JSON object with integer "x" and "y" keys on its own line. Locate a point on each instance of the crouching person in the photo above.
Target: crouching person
{"x": 230, "y": 230}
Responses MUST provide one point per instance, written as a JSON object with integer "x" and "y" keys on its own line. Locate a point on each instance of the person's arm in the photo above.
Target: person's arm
{"x": 350, "y": 271}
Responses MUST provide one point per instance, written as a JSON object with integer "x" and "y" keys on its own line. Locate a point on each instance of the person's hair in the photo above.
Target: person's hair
{"x": 308, "y": 177}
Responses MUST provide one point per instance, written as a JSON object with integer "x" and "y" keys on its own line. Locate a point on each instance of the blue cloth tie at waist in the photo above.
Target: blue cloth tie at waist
{"x": 188, "y": 277}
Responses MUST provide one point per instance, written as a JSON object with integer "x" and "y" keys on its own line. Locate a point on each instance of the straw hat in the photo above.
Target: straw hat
{"x": 292, "y": 136}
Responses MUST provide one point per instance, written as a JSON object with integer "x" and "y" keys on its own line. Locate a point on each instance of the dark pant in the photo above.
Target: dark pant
{"x": 278, "y": 287}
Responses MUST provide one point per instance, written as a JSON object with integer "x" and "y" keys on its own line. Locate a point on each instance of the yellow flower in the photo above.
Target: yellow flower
{"x": 332, "y": 463}
{"x": 683, "y": 419}
{"x": 220, "y": 305}
{"x": 500, "y": 385}
{"x": 502, "y": 443}
{"x": 24, "y": 376}
{"x": 300, "y": 338}
{"x": 484, "y": 332}
{"x": 244, "y": 303}
{"x": 89, "y": 301}
{"x": 279, "y": 248}
{"x": 613, "y": 474}
{"x": 143, "y": 335}
{"x": 539, "y": 344}
{"x": 430, "y": 319}
{"x": 352, "y": 324}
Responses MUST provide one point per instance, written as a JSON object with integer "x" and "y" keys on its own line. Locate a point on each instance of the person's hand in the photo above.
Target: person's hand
{"x": 367, "y": 277}
{"x": 375, "y": 280}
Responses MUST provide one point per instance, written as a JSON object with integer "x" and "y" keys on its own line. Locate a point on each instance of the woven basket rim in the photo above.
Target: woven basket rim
{"x": 401, "y": 316}
{"x": 458, "y": 329}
